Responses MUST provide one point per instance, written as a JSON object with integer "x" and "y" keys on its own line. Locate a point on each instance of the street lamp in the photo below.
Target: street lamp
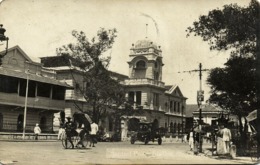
{"x": 2, "y": 39}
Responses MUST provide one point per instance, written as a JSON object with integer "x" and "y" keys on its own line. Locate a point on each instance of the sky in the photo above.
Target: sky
{"x": 41, "y": 26}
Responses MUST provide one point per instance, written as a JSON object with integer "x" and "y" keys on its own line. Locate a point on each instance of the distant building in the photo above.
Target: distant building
{"x": 210, "y": 114}
{"x": 164, "y": 105}
{"x": 45, "y": 93}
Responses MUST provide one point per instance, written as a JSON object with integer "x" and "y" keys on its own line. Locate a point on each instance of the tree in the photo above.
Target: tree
{"x": 232, "y": 28}
{"x": 100, "y": 90}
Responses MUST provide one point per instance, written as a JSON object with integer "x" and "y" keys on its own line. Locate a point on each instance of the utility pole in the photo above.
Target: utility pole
{"x": 200, "y": 98}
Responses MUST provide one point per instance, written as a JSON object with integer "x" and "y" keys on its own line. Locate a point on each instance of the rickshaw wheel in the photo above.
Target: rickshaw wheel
{"x": 63, "y": 141}
{"x": 86, "y": 140}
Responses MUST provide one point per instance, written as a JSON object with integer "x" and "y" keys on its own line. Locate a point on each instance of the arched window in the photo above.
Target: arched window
{"x": 174, "y": 127}
{"x": 171, "y": 128}
{"x": 140, "y": 64}
{"x": 179, "y": 127}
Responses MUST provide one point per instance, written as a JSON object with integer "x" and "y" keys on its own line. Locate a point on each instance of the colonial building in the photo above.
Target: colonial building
{"x": 164, "y": 105}
{"x": 25, "y": 84}
{"x": 75, "y": 101}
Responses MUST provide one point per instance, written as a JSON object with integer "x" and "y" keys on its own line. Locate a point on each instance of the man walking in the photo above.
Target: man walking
{"x": 226, "y": 137}
{"x": 69, "y": 129}
{"x": 93, "y": 133}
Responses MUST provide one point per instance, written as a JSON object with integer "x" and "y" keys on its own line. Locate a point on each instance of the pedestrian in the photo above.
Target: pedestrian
{"x": 196, "y": 139}
{"x": 226, "y": 137}
{"x": 61, "y": 133}
{"x": 93, "y": 133}
{"x": 191, "y": 139}
{"x": 70, "y": 131}
{"x": 81, "y": 133}
{"x": 37, "y": 131}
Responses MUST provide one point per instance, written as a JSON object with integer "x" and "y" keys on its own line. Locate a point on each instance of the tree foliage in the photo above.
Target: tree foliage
{"x": 232, "y": 28}
{"x": 100, "y": 89}
{"x": 233, "y": 87}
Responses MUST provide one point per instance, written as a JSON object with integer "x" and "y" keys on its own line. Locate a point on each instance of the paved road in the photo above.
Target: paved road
{"x": 42, "y": 152}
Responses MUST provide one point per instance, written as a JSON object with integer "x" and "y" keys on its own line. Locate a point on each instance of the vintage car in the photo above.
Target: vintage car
{"x": 146, "y": 133}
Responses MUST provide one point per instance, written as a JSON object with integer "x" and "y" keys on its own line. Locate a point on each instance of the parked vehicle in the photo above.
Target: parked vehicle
{"x": 146, "y": 133}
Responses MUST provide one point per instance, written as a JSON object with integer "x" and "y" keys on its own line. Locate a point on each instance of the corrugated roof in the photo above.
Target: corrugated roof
{"x": 34, "y": 77}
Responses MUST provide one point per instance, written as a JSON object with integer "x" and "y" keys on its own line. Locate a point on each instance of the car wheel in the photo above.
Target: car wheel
{"x": 160, "y": 141}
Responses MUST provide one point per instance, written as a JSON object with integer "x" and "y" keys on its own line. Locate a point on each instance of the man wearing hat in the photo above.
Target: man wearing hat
{"x": 70, "y": 129}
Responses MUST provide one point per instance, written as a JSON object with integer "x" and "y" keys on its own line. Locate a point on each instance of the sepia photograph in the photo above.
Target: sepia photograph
{"x": 129, "y": 82}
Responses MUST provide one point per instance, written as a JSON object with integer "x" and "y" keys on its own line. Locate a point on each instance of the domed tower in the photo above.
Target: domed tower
{"x": 145, "y": 61}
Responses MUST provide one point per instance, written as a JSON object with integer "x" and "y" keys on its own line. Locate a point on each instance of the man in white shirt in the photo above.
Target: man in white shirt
{"x": 226, "y": 136}
{"x": 93, "y": 133}
{"x": 37, "y": 131}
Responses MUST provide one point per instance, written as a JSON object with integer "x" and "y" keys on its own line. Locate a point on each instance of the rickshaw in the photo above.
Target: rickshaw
{"x": 82, "y": 122}
{"x": 146, "y": 133}
{"x": 251, "y": 118}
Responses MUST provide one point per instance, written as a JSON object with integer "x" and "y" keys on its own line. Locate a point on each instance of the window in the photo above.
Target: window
{"x": 31, "y": 88}
{"x": 156, "y": 99}
{"x": 170, "y": 106}
{"x": 155, "y": 64}
{"x": 140, "y": 64}
{"x": 131, "y": 96}
{"x": 174, "y": 106}
{"x": 43, "y": 89}
{"x": 138, "y": 97}
{"x": 58, "y": 92}
{"x": 8, "y": 84}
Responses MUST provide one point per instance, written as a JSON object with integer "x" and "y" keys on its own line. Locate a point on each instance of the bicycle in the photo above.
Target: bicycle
{"x": 75, "y": 140}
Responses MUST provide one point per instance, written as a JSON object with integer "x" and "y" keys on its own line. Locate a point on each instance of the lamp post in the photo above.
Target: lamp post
{"x": 2, "y": 39}
{"x": 25, "y": 103}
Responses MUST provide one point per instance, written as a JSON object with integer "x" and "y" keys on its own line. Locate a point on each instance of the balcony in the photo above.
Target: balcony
{"x": 32, "y": 102}
{"x": 144, "y": 81}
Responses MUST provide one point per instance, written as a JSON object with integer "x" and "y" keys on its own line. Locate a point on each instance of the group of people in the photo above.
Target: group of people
{"x": 71, "y": 131}
{"x": 223, "y": 143}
